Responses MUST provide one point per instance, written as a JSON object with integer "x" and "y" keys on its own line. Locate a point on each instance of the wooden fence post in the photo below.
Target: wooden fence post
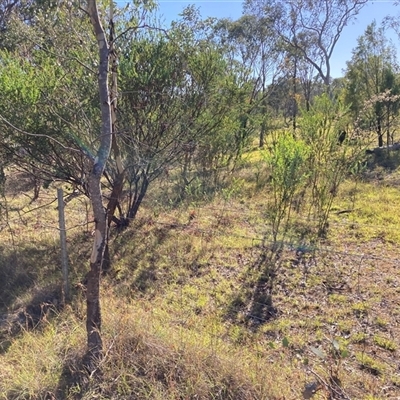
{"x": 63, "y": 243}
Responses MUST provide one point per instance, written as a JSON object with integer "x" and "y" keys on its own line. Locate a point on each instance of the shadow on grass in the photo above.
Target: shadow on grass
{"x": 43, "y": 304}
{"x": 154, "y": 265}
{"x": 384, "y": 159}
{"x": 143, "y": 247}
{"x": 30, "y": 285}
{"x": 29, "y": 291}
{"x": 24, "y": 267}
{"x": 75, "y": 382}
{"x": 254, "y": 303}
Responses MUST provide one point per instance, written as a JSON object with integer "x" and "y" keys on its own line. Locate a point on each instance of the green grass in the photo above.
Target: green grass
{"x": 385, "y": 343}
{"x": 370, "y": 364}
{"x": 371, "y": 210}
{"x": 190, "y": 309}
{"x": 359, "y": 337}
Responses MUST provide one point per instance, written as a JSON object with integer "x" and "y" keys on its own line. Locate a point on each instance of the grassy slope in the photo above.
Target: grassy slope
{"x": 188, "y": 314}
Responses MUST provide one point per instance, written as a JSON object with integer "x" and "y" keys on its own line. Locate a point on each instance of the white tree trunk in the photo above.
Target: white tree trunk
{"x": 93, "y": 321}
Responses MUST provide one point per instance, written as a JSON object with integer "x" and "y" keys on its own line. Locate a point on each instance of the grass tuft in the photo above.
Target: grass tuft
{"x": 385, "y": 343}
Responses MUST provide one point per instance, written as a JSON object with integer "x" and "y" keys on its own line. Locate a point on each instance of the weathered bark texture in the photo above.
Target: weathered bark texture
{"x": 93, "y": 318}
{"x": 379, "y": 131}
{"x": 118, "y": 181}
{"x": 63, "y": 244}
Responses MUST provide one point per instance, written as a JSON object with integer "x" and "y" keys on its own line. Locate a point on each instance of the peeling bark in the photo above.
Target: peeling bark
{"x": 119, "y": 179}
{"x": 93, "y": 317}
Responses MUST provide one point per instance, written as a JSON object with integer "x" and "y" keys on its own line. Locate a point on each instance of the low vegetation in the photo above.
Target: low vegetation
{"x": 188, "y": 311}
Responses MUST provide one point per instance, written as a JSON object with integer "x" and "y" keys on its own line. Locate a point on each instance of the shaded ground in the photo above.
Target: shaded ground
{"x": 325, "y": 314}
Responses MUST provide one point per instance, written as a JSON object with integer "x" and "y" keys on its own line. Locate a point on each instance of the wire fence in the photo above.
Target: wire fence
{"x": 259, "y": 229}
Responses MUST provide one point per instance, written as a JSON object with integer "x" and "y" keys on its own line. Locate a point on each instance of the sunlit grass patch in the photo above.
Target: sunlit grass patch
{"x": 33, "y": 365}
{"x": 385, "y": 343}
{"x": 179, "y": 360}
{"x": 370, "y": 364}
{"x": 369, "y": 210}
{"x": 359, "y": 337}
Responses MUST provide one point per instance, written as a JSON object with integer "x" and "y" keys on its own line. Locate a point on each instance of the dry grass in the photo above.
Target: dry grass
{"x": 189, "y": 312}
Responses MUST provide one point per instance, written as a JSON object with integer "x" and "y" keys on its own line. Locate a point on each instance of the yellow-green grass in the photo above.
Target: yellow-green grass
{"x": 190, "y": 312}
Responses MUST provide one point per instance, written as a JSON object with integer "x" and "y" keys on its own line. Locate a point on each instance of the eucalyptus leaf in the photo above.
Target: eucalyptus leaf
{"x": 319, "y": 353}
{"x": 285, "y": 342}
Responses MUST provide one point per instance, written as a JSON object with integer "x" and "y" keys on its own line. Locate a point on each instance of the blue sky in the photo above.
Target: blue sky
{"x": 170, "y": 9}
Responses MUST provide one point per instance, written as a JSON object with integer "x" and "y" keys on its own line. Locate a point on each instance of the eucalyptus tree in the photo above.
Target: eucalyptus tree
{"x": 25, "y": 11}
{"x": 372, "y": 76}
{"x": 97, "y": 168}
{"x": 50, "y": 121}
{"x": 251, "y": 43}
{"x": 310, "y": 28}
{"x": 308, "y": 81}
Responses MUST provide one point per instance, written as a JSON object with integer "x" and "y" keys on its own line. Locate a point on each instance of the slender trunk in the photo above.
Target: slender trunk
{"x": 388, "y": 142}
{"x": 118, "y": 182}
{"x": 263, "y": 129}
{"x": 379, "y": 131}
{"x": 135, "y": 207}
{"x": 118, "y": 185}
{"x": 93, "y": 312}
{"x": 93, "y": 316}
{"x": 63, "y": 244}
{"x": 307, "y": 95}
